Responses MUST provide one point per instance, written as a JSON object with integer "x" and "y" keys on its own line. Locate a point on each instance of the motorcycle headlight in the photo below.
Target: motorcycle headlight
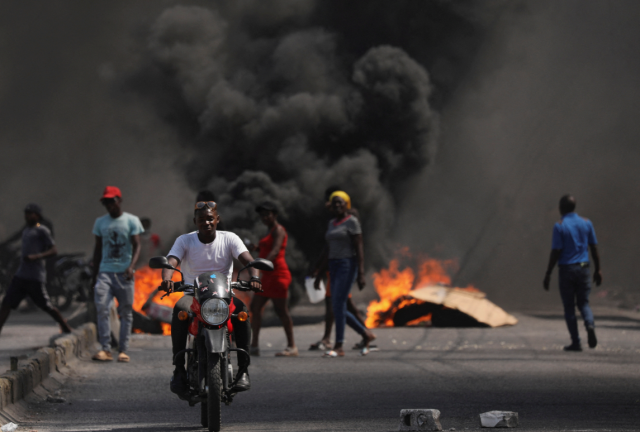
{"x": 214, "y": 311}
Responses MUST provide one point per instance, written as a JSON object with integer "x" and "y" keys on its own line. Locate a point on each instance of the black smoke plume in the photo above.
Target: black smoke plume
{"x": 278, "y": 100}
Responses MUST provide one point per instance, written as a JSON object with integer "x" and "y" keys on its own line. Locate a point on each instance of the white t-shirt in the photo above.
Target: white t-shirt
{"x": 197, "y": 257}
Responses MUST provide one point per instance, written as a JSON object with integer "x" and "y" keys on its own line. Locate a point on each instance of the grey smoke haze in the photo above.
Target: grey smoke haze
{"x": 276, "y": 104}
{"x": 65, "y": 132}
{"x": 550, "y": 107}
{"x": 129, "y": 93}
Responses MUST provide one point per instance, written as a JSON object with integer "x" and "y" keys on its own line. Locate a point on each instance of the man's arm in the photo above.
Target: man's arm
{"x": 135, "y": 244}
{"x": 167, "y": 283}
{"x": 597, "y": 276}
{"x": 97, "y": 257}
{"x": 553, "y": 259}
{"x": 245, "y": 258}
{"x": 41, "y": 255}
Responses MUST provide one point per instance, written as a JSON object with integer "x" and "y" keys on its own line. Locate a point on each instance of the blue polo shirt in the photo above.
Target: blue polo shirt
{"x": 572, "y": 236}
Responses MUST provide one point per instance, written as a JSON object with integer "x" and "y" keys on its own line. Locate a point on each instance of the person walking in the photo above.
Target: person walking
{"x": 49, "y": 262}
{"x": 115, "y": 255}
{"x": 276, "y": 283}
{"x": 573, "y": 236}
{"x": 344, "y": 256}
{"x": 325, "y": 343}
{"x": 30, "y": 279}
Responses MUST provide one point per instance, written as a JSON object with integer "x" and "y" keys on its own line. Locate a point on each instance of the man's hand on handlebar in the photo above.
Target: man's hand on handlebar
{"x": 166, "y": 286}
{"x": 256, "y": 284}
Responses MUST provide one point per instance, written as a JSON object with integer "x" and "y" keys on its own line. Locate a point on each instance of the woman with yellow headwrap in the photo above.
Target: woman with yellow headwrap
{"x": 345, "y": 258}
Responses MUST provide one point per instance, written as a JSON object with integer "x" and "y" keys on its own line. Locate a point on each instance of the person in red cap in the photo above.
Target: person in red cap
{"x": 115, "y": 255}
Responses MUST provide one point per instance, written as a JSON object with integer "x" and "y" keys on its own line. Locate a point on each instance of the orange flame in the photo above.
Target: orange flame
{"x": 146, "y": 282}
{"x": 393, "y": 286}
{"x": 423, "y": 319}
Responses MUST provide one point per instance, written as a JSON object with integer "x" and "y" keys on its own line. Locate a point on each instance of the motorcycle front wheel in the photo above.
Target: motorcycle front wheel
{"x": 214, "y": 397}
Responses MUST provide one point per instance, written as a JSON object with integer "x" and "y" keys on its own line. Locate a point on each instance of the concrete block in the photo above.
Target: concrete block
{"x": 30, "y": 378}
{"x": 68, "y": 343}
{"x": 420, "y": 420}
{"x": 5, "y": 392}
{"x": 499, "y": 419}
{"x": 15, "y": 378}
{"x": 50, "y": 353}
{"x": 41, "y": 363}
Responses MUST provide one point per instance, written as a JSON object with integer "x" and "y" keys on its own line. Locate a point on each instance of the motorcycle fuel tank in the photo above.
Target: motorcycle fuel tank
{"x": 212, "y": 284}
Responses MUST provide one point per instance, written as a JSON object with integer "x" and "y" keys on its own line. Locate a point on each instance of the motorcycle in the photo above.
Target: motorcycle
{"x": 69, "y": 280}
{"x": 209, "y": 370}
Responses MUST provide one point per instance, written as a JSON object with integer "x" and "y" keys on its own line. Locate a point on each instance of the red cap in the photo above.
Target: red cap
{"x": 111, "y": 192}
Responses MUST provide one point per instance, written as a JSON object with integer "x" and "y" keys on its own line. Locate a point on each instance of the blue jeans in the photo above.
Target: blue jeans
{"x": 575, "y": 286}
{"x": 108, "y": 286}
{"x": 342, "y": 273}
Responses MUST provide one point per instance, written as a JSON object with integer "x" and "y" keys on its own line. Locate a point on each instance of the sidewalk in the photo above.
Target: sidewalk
{"x": 24, "y": 333}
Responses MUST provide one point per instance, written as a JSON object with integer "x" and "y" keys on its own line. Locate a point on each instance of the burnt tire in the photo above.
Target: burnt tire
{"x": 214, "y": 396}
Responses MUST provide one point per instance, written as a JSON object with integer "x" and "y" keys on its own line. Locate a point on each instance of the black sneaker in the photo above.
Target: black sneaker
{"x": 179, "y": 383}
{"x": 573, "y": 347}
{"x": 243, "y": 382}
{"x": 591, "y": 331}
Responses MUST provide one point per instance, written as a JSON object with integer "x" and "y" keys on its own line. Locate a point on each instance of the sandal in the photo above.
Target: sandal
{"x": 360, "y": 345}
{"x": 333, "y": 354}
{"x": 320, "y": 346}
{"x": 288, "y": 352}
{"x": 363, "y": 344}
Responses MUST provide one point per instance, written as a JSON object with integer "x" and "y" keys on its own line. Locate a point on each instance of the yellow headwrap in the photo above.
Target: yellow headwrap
{"x": 342, "y": 195}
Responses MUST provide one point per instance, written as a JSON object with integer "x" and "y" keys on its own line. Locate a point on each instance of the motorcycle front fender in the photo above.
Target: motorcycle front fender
{"x": 215, "y": 339}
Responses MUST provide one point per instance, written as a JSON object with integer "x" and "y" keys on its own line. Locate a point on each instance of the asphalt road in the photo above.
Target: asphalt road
{"x": 461, "y": 372}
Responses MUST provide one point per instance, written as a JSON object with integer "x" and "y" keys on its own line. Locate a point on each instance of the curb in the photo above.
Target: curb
{"x": 16, "y": 385}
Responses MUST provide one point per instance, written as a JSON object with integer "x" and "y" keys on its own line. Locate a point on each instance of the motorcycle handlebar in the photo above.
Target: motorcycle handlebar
{"x": 241, "y": 285}
{"x": 177, "y": 287}
{"x": 181, "y": 286}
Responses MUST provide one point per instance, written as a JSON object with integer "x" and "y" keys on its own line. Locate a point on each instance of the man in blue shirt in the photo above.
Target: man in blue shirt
{"x": 573, "y": 236}
{"x": 115, "y": 255}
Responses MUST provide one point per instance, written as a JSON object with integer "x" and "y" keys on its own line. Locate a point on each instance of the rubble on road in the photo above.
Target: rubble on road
{"x": 420, "y": 420}
{"x": 462, "y": 307}
{"x": 499, "y": 419}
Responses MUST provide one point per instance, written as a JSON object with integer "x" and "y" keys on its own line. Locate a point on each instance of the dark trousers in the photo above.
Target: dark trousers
{"x": 180, "y": 330}
{"x": 575, "y": 286}
{"x": 21, "y": 288}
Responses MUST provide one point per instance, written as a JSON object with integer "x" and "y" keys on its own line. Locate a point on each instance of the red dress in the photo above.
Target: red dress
{"x": 275, "y": 283}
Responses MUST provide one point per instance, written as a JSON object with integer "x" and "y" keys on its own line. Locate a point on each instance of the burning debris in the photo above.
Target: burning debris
{"x": 427, "y": 300}
{"x": 150, "y": 313}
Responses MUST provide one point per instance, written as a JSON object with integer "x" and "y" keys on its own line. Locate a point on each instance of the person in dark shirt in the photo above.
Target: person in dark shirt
{"x": 30, "y": 279}
{"x": 573, "y": 236}
{"x": 50, "y": 261}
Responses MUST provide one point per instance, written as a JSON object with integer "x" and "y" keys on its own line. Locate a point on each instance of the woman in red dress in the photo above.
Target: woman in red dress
{"x": 274, "y": 283}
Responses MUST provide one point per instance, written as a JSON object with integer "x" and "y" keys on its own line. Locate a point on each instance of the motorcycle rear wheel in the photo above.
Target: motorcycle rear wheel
{"x": 214, "y": 397}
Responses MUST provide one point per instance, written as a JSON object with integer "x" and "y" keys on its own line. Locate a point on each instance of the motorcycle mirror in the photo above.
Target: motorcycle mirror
{"x": 160, "y": 262}
{"x": 261, "y": 264}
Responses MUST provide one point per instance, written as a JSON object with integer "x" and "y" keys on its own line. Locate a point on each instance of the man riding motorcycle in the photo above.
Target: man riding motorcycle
{"x": 201, "y": 251}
